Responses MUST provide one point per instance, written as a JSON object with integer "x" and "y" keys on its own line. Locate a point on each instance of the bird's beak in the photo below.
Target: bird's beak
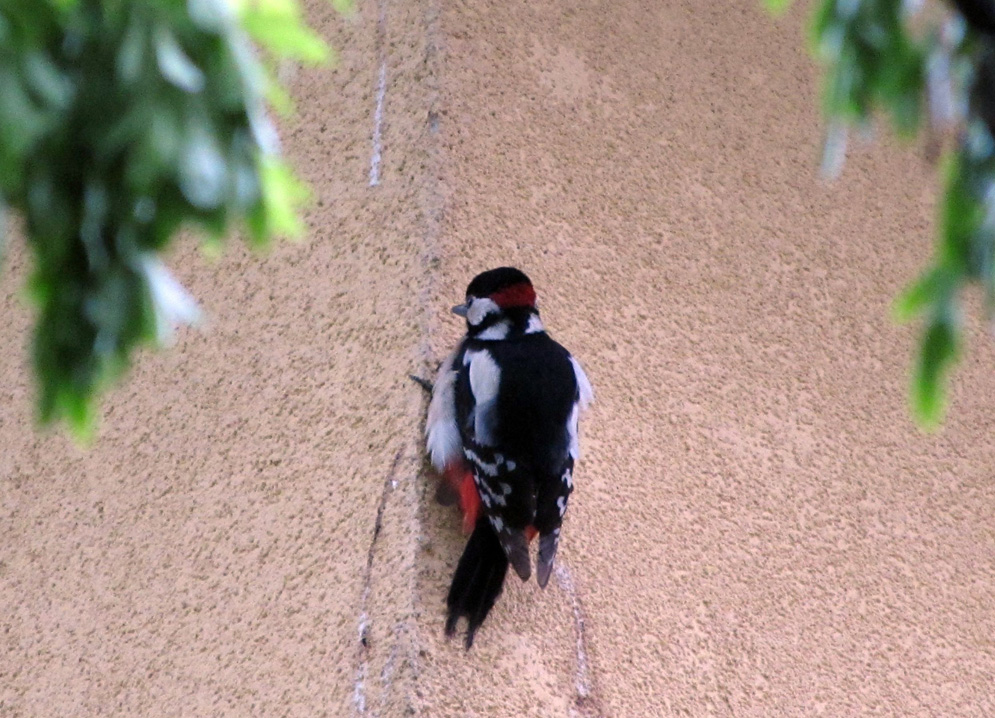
{"x": 460, "y": 310}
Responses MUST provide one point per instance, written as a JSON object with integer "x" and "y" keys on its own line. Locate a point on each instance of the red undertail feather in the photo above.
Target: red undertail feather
{"x": 469, "y": 502}
{"x": 459, "y": 476}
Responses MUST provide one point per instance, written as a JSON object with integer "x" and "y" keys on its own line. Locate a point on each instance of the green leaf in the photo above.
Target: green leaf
{"x": 155, "y": 152}
{"x": 3, "y": 231}
{"x": 212, "y": 246}
{"x": 931, "y": 288}
{"x": 278, "y": 27}
{"x": 120, "y": 124}
{"x": 347, "y": 7}
{"x": 203, "y": 171}
{"x": 47, "y": 81}
{"x": 825, "y": 32}
{"x": 174, "y": 64}
{"x": 960, "y": 217}
{"x": 938, "y": 353}
{"x": 96, "y": 205}
{"x": 215, "y": 16}
{"x": 776, "y": 7}
{"x": 171, "y": 303}
{"x": 244, "y": 177}
{"x": 131, "y": 55}
{"x": 39, "y": 289}
{"x": 79, "y": 411}
{"x": 22, "y": 122}
{"x": 107, "y": 309}
{"x": 282, "y": 194}
{"x": 278, "y": 97}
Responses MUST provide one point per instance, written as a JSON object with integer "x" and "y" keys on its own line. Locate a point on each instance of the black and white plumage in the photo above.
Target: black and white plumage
{"x": 504, "y": 410}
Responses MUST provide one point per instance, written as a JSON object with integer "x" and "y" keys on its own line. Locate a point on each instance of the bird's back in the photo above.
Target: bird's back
{"x": 536, "y": 395}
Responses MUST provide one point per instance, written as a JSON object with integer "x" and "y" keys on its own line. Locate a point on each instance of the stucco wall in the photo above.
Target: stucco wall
{"x": 758, "y": 529}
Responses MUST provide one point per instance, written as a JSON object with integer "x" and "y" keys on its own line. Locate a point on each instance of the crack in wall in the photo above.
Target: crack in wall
{"x": 363, "y": 648}
{"x": 390, "y": 668}
{"x": 585, "y": 698}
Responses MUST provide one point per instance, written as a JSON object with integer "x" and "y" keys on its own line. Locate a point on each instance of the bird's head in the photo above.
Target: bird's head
{"x": 500, "y": 302}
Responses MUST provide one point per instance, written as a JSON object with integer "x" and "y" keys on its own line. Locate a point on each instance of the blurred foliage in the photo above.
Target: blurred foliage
{"x": 923, "y": 65}
{"x": 777, "y": 6}
{"x": 122, "y": 121}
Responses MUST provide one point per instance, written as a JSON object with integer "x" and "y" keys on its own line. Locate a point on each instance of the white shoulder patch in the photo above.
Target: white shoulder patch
{"x": 485, "y": 381}
{"x": 584, "y": 399}
{"x": 443, "y": 440}
{"x": 583, "y": 385}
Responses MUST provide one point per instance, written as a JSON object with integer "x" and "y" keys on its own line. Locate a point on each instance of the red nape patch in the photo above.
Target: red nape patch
{"x": 517, "y": 295}
{"x": 531, "y": 532}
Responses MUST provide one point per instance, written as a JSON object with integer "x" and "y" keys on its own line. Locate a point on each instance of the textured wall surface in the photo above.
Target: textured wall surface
{"x": 757, "y": 530}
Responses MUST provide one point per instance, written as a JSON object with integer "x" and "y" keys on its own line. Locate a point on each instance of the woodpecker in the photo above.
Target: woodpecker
{"x": 502, "y": 431}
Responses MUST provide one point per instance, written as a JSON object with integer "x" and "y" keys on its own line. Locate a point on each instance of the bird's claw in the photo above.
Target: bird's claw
{"x": 423, "y": 383}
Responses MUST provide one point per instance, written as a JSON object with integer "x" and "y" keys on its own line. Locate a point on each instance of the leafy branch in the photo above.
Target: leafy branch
{"x": 886, "y": 55}
{"x": 120, "y": 123}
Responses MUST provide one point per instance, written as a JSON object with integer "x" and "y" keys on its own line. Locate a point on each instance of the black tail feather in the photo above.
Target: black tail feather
{"x": 478, "y": 580}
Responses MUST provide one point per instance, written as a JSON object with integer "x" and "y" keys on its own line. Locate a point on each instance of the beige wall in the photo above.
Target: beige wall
{"x": 757, "y": 529}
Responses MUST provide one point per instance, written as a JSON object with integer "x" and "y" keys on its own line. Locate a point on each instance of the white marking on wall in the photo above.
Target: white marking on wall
{"x": 390, "y": 666}
{"x": 582, "y": 680}
{"x": 359, "y": 694}
{"x": 359, "y": 689}
{"x": 363, "y": 625}
{"x": 377, "y": 155}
